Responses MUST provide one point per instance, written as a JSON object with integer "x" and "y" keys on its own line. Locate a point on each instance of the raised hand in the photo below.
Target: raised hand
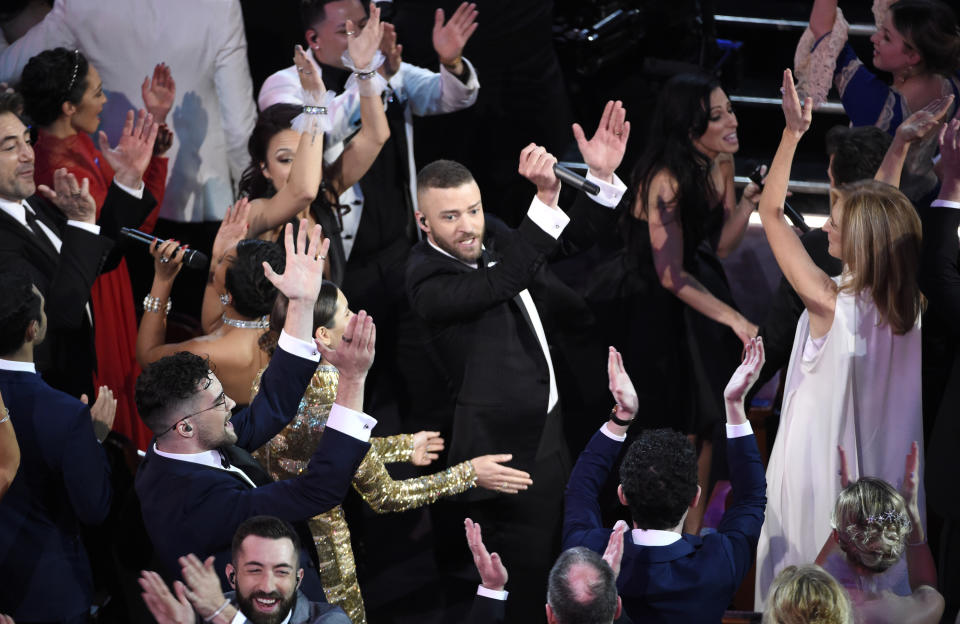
{"x": 233, "y": 228}
{"x": 303, "y": 274}
{"x": 164, "y": 140}
{"x": 308, "y": 71}
{"x": 354, "y": 356}
{"x": 166, "y": 608}
{"x": 747, "y": 373}
{"x": 203, "y": 585}
{"x": 392, "y": 50}
{"x": 364, "y": 44}
{"x": 911, "y": 477}
{"x": 844, "y": 467}
{"x": 134, "y": 150}
{"x": 493, "y": 574}
{"x": 426, "y": 445}
{"x": 950, "y": 150}
{"x": 491, "y": 475}
{"x": 167, "y": 259}
{"x": 613, "y": 554}
{"x": 450, "y": 38}
{"x": 925, "y": 121}
{"x": 72, "y": 198}
{"x": 798, "y": 116}
{"x": 621, "y": 387}
{"x": 604, "y": 152}
{"x": 536, "y": 165}
{"x": 159, "y": 92}
{"x": 102, "y": 412}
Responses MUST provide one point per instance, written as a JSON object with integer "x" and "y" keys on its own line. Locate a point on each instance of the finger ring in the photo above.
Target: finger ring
{"x": 320, "y": 257}
{"x": 76, "y": 195}
{"x": 351, "y": 33}
{"x": 305, "y": 72}
{"x": 618, "y": 133}
{"x": 300, "y": 69}
{"x": 164, "y": 259}
{"x": 346, "y": 340}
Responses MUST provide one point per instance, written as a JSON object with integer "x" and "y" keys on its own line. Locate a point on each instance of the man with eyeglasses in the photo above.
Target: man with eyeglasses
{"x": 198, "y": 481}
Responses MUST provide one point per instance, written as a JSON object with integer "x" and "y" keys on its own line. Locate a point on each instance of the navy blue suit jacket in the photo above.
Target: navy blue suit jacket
{"x": 693, "y": 579}
{"x": 190, "y": 508}
{"x": 63, "y": 480}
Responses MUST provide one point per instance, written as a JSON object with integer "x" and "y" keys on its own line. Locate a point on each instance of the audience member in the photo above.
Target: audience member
{"x": 667, "y": 575}
{"x": 940, "y": 282}
{"x": 198, "y": 482}
{"x": 9, "y": 450}
{"x": 234, "y": 348}
{"x": 287, "y": 454}
{"x": 878, "y": 548}
{"x": 64, "y": 477}
{"x": 483, "y": 295}
{"x": 265, "y": 573}
{"x": 806, "y": 594}
{"x": 917, "y": 42}
{"x": 63, "y": 95}
{"x": 58, "y": 245}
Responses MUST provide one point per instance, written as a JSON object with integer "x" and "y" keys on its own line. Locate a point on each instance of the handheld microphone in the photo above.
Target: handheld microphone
{"x": 191, "y": 257}
{"x": 789, "y": 211}
{"x": 578, "y": 182}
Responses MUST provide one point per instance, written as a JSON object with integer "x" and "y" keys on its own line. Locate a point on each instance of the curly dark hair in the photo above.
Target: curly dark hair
{"x": 19, "y": 307}
{"x": 253, "y": 294}
{"x": 165, "y": 384}
{"x": 264, "y": 526}
{"x": 46, "y": 83}
{"x": 857, "y": 152}
{"x": 659, "y": 478}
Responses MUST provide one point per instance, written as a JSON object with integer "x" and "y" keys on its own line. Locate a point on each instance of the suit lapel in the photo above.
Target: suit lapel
{"x": 44, "y": 250}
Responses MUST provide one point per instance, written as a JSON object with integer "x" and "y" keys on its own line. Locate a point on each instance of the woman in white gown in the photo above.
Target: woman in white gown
{"x": 854, "y": 373}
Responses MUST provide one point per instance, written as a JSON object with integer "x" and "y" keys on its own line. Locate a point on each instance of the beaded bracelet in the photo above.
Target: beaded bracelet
{"x": 152, "y": 304}
{"x": 315, "y": 110}
{"x": 366, "y": 75}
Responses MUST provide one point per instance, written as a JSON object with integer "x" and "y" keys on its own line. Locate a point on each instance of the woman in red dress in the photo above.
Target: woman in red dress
{"x": 64, "y": 96}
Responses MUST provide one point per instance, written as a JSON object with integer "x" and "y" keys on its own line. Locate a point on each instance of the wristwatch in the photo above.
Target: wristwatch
{"x": 619, "y": 421}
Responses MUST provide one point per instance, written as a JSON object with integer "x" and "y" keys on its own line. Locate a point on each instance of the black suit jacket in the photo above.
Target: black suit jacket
{"x": 497, "y": 373}
{"x": 67, "y": 358}
{"x": 191, "y": 508}
{"x": 63, "y": 481}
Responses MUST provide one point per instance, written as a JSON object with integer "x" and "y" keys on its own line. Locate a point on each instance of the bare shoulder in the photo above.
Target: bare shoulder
{"x": 660, "y": 197}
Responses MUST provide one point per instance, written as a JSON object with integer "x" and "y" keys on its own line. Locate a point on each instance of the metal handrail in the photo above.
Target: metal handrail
{"x": 799, "y": 186}
{"x": 827, "y": 107}
{"x": 782, "y": 24}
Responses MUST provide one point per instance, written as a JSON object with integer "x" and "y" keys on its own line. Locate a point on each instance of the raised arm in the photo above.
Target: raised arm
{"x": 822, "y": 16}
{"x": 666, "y": 240}
{"x": 916, "y": 127}
{"x": 232, "y": 230}
{"x": 816, "y": 289}
{"x": 736, "y": 215}
{"x": 920, "y": 566}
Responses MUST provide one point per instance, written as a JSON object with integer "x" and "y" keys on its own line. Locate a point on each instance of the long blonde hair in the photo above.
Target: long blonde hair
{"x": 881, "y": 249}
{"x": 807, "y": 594}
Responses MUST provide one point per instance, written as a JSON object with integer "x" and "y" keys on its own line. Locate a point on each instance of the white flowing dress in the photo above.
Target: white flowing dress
{"x": 859, "y": 389}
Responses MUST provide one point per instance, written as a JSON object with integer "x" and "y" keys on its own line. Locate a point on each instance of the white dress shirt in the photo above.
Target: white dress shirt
{"x": 240, "y": 618}
{"x": 18, "y": 367}
{"x": 425, "y": 92}
{"x": 204, "y": 44}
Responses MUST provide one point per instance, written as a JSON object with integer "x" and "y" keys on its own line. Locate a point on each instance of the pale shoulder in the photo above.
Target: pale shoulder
{"x": 659, "y": 196}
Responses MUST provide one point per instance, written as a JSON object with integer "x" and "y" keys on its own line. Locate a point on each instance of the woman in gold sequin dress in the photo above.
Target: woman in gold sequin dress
{"x": 287, "y": 454}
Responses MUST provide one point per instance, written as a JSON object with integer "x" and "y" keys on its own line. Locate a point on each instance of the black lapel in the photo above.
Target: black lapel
{"x": 43, "y": 251}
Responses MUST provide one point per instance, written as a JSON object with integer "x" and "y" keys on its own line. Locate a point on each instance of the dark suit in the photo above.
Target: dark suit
{"x": 63, "y": 481}
{"x": 693, "y": 579}
{"x": 498, "y": 380}
{"x": 486, "y": 610}
{"x": 191, "y": 508}
{"x": 67, "y": 357}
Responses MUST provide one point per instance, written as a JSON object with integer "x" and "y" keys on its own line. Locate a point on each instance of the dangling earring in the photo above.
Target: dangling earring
{"x": 225, "y": 299}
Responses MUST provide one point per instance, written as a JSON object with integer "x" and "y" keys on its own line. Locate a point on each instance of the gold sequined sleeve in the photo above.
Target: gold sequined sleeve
{"x": 385, "y": 495}
{"x": 394, "y": 449}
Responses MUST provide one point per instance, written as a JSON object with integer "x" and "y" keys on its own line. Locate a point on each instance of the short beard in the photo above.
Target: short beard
{"x": 284, "y": 607}
{"x": 459, "y": 255}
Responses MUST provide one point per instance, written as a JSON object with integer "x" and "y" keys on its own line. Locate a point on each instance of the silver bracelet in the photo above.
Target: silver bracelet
{"x": 152, "y": 304}
{"x": 6, "y": 415}
{"x": 213, "y": 616}
{"x": 366, "y": 75}
{"x": 315, "y": 110}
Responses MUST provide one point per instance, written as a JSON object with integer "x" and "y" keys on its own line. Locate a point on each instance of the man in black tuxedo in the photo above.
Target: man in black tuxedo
{"x": 58, "y": 244}
{"x": 484, "y": 295}
{"x": 198, "y": 481}
{"x": 63, "y": 480}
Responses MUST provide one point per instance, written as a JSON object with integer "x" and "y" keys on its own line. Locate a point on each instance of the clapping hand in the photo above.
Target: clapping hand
{"x": 134, "y": 150}
{"x": 303, "y": 274}
{"x": 493, "y": 574}
{"x": 159, "y": 92}
{"x": 309, "y": 73}
{"x": 613, "y": 554}
{"x": 621, "y": 387}
{"x": 166, "y": 608}
{"x": 72, "y": 198}
{"x": 102, "y": 412}
{"x": 536, "y": 165}
{"x": 450, "y": 38}
{"x": 354, "y": 356}
{"x": 604, "y": 152}
{"x": 747, "y": 373}
{"x": 426, "y": 445}
{"x": 363, "y": 45}
{"x": 233, "y": 228}
{"x": 202, "y": 584}
{"x": 923, "y": 122}
{"x": 798, "y": 116}
{"x": 392, "y": 50}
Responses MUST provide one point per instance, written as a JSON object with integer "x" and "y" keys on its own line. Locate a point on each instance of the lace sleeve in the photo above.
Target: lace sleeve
{"x": 394, "y": 449}
{"x": 385, "y": 495}
{"x": 815, "y": 61}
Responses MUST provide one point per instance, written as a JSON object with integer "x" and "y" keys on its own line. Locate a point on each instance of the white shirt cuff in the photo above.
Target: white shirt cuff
{"x": 138, "y": 193}
{"x": 351, "y": 422}
{"x": 610, "y": 194}
{"x": 613, "y": 436}
{"x": 239, "y": 618}
{"x": 93, "y": 228}
{"x": 550, "y": 220}
{"x": 492, "y": 593}
{"x": 738, "y": 431}
{"x": 945, "y": 203}
{"x": 297, "y": 347}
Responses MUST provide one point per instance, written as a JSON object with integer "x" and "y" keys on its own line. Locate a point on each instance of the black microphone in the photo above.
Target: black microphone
{"x": 578, "y": 182}
{"x": 191, "y": 257}
{"x": 789, "y": 211}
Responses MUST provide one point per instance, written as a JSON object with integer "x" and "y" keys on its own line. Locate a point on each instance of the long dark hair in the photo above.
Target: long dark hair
{"x": 681, "y": 116}
{"x": 932, "y": 28}
{"x": 51, "y": 78}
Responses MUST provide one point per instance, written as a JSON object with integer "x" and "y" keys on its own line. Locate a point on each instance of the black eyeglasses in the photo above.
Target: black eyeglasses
{"x": 220, "y": 402}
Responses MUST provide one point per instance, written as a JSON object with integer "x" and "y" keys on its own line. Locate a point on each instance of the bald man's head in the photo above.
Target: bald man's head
{"x": 581, "y": 589}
